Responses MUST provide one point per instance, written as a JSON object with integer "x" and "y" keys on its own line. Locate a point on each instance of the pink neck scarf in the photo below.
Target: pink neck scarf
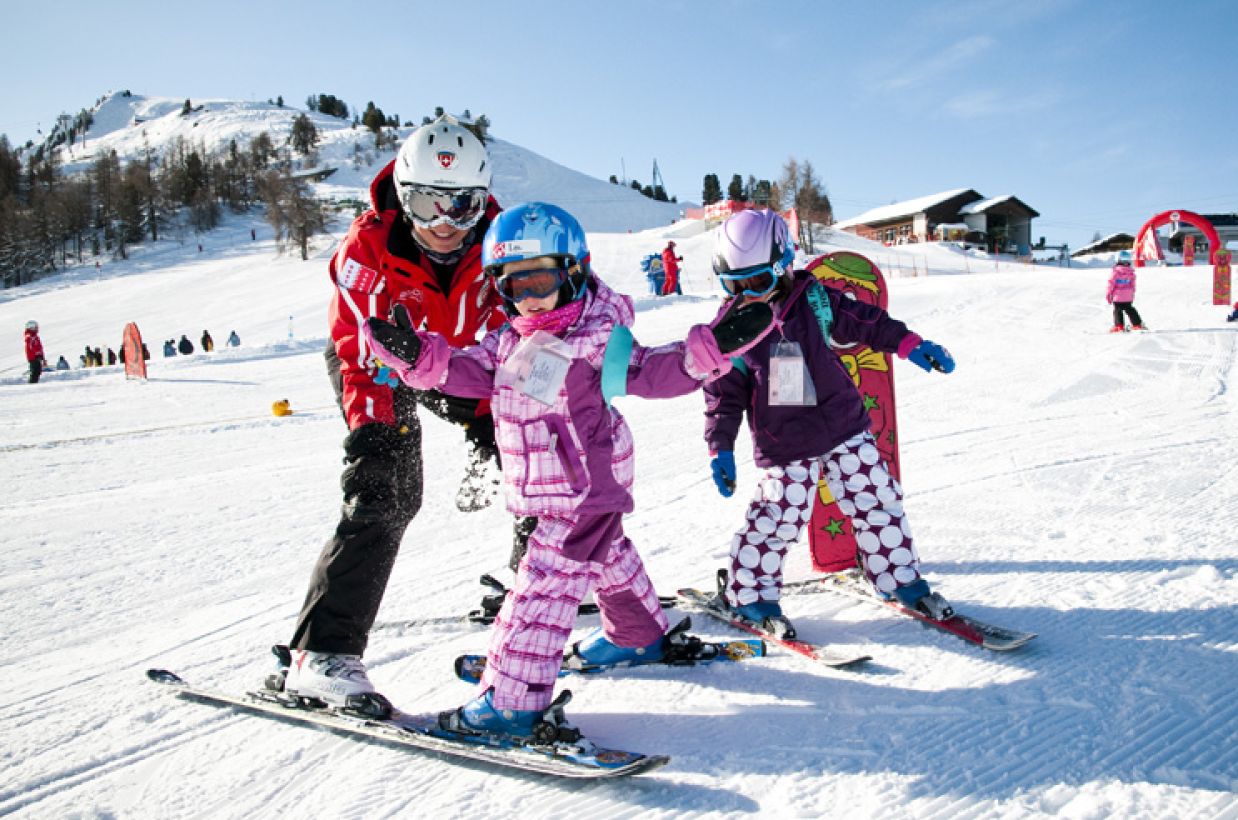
{"x": 552, "y": 321}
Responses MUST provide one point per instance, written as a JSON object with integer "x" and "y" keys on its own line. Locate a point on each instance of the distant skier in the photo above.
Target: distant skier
{"x": 34, "y": 352}
{"x": 1121, "y": 294}
{"x": 184, "y": 345}
{"x": 169, "y": 348}
{"x": 208, "y": 344}
{"x": 806, "y": 418}
{"x": 233, "y": 340}
{"x": 568, "y": 456}
{"x": 670, "y": 264}
{"x": 111, "y": 356}
{"x": 62, "y": 363}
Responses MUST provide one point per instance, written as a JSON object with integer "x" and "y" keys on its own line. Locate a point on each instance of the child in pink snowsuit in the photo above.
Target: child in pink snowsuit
{"x": 567, "y": 455}
{"x": 1121, "y": 294}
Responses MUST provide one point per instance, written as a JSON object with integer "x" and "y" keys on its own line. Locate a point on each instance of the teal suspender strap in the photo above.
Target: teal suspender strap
{"x": 819, "y": 299}
{"x": 615, "y": 363}
{"x": 737, "y": 362}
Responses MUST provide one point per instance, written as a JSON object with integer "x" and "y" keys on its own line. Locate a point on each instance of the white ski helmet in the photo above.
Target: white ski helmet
{"x": 442, "y": 155}
{"x": 32, "y": 325}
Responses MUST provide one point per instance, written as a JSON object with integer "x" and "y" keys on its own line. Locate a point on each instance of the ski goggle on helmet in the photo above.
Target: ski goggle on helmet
{"x": 542, "y": 232}
{"x": 442, "y": 175}
{"x": 752, "y": 252}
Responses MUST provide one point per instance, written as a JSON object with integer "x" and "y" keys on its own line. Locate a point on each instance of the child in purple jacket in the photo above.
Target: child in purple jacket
{"x": 806, "y": 417}
{"x": 567, "y": 456}
{"x": 1121, "y": 294}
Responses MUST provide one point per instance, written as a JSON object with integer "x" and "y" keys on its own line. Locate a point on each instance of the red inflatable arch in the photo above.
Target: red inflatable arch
{"x": 1178, "y": 215}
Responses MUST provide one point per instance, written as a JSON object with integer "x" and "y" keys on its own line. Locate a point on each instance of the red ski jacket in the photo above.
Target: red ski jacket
{"x": 377, "y": 266}
{"x": 34, "y": 347}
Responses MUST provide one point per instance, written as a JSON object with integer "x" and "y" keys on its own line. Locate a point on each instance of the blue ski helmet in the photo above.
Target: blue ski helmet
{"x": 1124, "y": 257}
{"x": 536, "y": 229}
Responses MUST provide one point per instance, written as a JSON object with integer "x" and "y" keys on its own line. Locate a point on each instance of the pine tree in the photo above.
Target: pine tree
{"x": 304, "y": 135}
{"x": 735, "y": 190}
{"x": 711, "y": 190}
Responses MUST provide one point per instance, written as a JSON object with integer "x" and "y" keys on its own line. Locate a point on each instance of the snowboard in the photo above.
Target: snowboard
{"x": 831, "y": 537}
{"x": 580, "y": 760}
{"x": 853, "y": 584}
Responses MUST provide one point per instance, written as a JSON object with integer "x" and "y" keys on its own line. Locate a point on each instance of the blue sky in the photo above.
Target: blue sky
{"x": 1097, "y": 114}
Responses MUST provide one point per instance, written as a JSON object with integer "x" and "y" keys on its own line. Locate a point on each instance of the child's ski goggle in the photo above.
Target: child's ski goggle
{"x": 535, "y": 284}
{"x": 757, "y": 280}
{"x": 427, "y": 206}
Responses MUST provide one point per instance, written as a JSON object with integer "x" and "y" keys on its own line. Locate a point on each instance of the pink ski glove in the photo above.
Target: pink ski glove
{"x": 702, "y": 357}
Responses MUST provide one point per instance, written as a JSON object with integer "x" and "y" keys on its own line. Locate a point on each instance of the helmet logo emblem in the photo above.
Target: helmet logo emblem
{"x": 446, "y": 159}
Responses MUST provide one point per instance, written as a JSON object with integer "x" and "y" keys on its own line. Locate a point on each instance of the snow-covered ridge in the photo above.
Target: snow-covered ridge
{"x": 130, "y": 124}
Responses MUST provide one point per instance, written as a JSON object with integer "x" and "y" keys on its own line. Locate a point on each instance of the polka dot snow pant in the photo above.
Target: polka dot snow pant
{"x": 782, "y": 506}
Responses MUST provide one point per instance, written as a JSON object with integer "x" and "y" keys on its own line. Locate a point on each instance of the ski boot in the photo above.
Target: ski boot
{"x": 327, "y": 679}
{"x": 917, "y": 596}
{"x": 542, "y": 728}
{"x": 1139, "y": 327}
{"x": 1118, "y": 329}
{"x": 764, "y": 614}
{"x": 597, "y": 651}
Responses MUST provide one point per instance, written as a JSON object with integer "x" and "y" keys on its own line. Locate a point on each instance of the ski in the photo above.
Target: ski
{"x": 580, "y": 760}
{"x": 832, "y": 658}
{"x": 486, "y": 613}
{"x": 852, "y": 584}
{"x": 685, "y": 650}
{"x": 491, "y": 604}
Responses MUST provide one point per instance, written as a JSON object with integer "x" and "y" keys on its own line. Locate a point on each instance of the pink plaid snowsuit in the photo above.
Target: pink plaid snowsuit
{"x": 571, "y": 464}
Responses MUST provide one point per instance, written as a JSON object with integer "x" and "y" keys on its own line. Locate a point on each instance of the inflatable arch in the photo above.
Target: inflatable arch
{"x": 1173, "y": 217}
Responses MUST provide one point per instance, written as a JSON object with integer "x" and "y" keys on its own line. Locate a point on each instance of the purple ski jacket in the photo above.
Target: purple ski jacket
{"x": 574, "y": 456}
{"x": 781, "y": 435}
{"x": 1121, "y": 284}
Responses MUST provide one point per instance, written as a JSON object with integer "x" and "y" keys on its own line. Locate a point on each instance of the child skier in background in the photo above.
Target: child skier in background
{"x": 567, "y": 455}
{"x": 806, "y": 416}
{"x": 1121, "y": 294}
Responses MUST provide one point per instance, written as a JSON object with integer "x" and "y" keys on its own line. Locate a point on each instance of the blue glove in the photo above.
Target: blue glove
{"x": 931, "y": 356}
{"x": 723, "y": 466}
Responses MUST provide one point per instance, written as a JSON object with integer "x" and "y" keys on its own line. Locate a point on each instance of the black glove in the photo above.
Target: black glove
{"x": 370, "y": 455}
{"x": 450, "y": 408}
{"x": 399, "y": 338}
{"x": 742, "y": 326}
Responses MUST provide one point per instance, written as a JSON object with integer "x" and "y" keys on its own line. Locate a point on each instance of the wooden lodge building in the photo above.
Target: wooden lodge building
{"x": 1002, "y": 223}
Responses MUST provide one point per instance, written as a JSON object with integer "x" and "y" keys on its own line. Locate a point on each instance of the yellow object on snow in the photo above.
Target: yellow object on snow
{"x": 281, "y": 408}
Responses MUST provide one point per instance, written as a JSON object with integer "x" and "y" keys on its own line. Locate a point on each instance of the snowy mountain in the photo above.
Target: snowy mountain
{"x": 129, "y": 124}
{"x": 1063, "y": 480}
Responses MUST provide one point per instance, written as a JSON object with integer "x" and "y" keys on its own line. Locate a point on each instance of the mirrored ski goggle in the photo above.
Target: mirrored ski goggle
{"x": 457, "y": 207}
{"x": 536, "y": 284}
{"x": 755, "y": 281}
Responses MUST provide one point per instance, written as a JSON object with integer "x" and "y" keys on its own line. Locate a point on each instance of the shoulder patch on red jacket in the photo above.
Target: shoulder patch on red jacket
{"x": 355, "y": 276}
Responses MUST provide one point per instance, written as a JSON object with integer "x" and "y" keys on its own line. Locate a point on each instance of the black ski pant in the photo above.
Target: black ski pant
{"x": 36, "y": 370}
{"x": 382, "y": 485}
{"x": 1129, "y": 309}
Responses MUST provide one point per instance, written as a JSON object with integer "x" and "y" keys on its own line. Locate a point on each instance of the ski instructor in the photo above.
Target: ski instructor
{"x": 419, "y": 245}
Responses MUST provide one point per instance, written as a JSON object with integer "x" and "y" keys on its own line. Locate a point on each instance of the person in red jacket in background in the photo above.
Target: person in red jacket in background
{"x": 34, "y": 352}
{"x": 418, "y": 246}
{"x": 670, "y": 264}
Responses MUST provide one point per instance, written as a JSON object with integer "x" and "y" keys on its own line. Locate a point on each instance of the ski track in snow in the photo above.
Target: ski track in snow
{"x": 1063, "y": 480}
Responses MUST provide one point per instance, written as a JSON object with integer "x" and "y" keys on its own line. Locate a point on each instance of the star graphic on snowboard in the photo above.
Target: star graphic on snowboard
{"x": 835, "y": 527}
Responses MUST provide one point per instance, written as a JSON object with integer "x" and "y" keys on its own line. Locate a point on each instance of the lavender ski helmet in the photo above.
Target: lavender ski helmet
{"x": 752, "y": 238}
